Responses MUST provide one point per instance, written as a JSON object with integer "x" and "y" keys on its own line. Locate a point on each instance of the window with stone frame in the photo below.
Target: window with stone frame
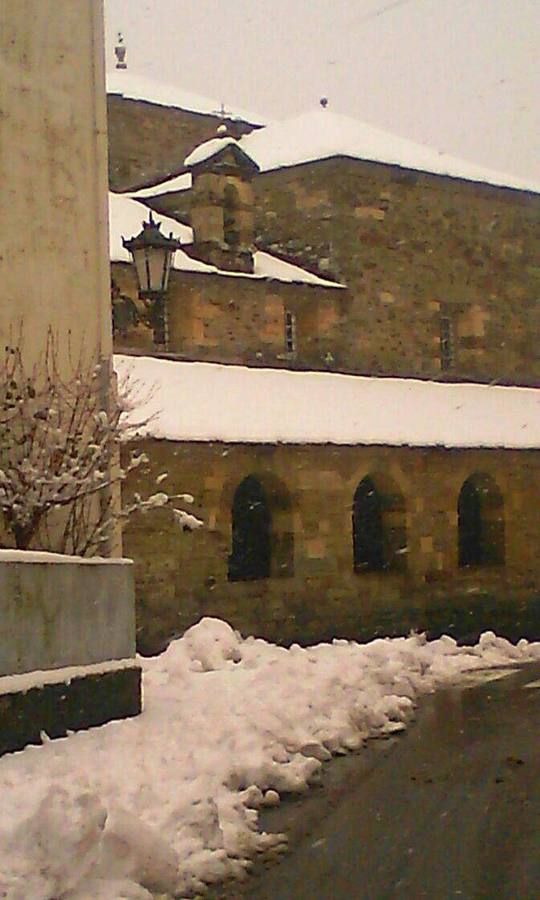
{"x": 447, "y": 340}
{"x": 290, "y": 332}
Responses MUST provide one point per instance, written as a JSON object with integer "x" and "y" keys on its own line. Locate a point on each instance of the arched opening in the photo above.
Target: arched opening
{"x": 480, "y": 522}
{"x": 262, "y": 533}
{"x": 231, "y": 228}
{"x": 379, "y": 527}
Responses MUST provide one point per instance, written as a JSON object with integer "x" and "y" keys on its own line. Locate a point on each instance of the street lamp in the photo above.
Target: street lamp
{"x": 152, "y": 252}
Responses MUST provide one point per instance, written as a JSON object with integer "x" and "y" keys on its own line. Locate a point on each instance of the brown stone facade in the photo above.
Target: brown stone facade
{"x": 228, "y": 319}
{"x": 313, "y": 592}
{"x": 148, "y": 143}
{"x": 413, "y": 249}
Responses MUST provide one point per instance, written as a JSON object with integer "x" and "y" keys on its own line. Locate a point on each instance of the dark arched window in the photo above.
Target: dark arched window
{"x": 480, "y": 522}
{"x": 251, "y": 554}
{"x": 379, "y": 533}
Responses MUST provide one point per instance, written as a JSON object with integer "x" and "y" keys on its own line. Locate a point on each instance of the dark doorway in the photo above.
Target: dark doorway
{"x": 480, "y": 523}
{"x": 368, "y": 528}
{"x": 250, "y": 558}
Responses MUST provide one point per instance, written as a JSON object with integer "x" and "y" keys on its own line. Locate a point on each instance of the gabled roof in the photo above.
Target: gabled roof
{"x": 215, "y": 149}
{"x": 269, "y": 406}
{"x": 321, "y": 134}
{"x": 132, "y": 86}
{"x": 126, "y": 216}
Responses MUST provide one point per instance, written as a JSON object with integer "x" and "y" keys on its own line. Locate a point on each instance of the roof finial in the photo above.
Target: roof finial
{"x": 324, "y": 102}
{"x": 120, "y": 52}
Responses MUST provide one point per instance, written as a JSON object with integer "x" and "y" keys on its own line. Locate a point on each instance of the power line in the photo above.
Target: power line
{"x": 375, "y": 13}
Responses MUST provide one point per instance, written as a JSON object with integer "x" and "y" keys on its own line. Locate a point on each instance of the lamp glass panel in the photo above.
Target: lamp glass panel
{"x": 156, "y": 257}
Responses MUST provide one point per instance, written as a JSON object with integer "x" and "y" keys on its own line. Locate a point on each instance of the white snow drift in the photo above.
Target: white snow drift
{"x": 167, "y": 802}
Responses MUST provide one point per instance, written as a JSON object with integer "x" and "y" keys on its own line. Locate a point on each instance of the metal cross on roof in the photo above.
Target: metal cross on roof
{"x": 222, "y": 112}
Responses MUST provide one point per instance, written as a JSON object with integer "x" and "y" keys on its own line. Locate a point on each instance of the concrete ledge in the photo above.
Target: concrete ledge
{"x": 83, "y": 701}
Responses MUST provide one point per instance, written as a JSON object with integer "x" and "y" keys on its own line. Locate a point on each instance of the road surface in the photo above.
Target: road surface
{"x": 449, "y": 809}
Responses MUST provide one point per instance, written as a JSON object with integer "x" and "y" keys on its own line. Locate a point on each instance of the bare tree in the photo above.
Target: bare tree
{"x": 60, "y": 469}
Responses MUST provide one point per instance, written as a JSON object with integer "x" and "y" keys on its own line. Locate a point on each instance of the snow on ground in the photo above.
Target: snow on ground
{"x": 240, "y": 404}
{"x": 166, "y": 802}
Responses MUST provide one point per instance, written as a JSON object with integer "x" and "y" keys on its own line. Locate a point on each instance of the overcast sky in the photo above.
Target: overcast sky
{"x": 460, "y": 75}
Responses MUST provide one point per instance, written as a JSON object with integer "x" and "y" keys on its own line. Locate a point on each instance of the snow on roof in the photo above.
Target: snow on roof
{"x": 321, "y": 134}
{"x": 208, "y": 402}
{"x": 126, "y": 216}
{"x": 208, "y": 149}
{"x": 132, "y": 86}
{"x": 171, "y": 185}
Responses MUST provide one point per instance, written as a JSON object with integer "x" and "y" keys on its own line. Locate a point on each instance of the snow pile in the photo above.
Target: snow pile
{"x": 240, "y": 404}
{"x": 321, "y": 134}
{"x": 166, "y": 802}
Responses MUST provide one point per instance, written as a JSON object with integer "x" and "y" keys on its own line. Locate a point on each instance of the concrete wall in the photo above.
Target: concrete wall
{"x": 53, "y": 178}
{"x": 317, "y": 595}
{"x": 62, "y": 611}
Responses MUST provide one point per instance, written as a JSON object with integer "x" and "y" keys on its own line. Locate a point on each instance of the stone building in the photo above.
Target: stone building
{"x": 322, "y": 246}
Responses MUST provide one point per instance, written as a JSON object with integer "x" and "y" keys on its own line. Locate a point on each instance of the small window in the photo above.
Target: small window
{"x": 290, "y": 332}
{"x": 447, "y": 342}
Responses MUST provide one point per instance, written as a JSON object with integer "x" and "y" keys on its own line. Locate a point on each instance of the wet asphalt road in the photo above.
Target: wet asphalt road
{"x": 449, "y": 809}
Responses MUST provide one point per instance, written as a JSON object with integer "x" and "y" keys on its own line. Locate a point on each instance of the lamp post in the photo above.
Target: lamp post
{"x": 152, "y": 253}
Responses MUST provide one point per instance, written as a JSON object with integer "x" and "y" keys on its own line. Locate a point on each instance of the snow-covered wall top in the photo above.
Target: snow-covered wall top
{"x": 209, "y": 149}
{"x": 44, "y": 556}
{"x": 126, "y": 216}
{"x": 206, "y": 402}
{"x": 137, "y": 87}
{"x": 321, "y": 134}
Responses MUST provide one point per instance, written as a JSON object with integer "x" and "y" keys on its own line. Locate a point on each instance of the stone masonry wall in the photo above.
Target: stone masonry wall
{"x": 148, "y": 143}
{"x": 410, "y": 246}
{"x": 183, "y": 576}
{"x": 242, "y": 320}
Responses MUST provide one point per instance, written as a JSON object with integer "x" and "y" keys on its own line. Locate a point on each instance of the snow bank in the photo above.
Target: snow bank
{"x": 320, "y": 134}
{"x": 239, "y": 404}
{"x": 168, "y": 801}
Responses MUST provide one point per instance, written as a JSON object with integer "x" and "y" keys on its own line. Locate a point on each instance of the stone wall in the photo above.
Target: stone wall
{"x": 411, "y": 248}
{"x": 241, "y": 320}
{"x": 316, "y": 594}
{"x": 148, "y": 143}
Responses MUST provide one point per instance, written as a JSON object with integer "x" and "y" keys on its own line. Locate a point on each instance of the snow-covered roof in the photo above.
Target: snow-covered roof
{"x": 208, "y": 149}
{"x": 321, "y": 134}
{"x": 129, "y": 84}
{"x": 125, "y": 221}
{"x": 171, "y": 185}
{"x": 186, "y": 401}
{"x": 126, "y": 216}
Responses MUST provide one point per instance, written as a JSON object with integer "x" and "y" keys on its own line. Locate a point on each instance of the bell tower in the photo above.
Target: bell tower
{"x": 222, "y": 212}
